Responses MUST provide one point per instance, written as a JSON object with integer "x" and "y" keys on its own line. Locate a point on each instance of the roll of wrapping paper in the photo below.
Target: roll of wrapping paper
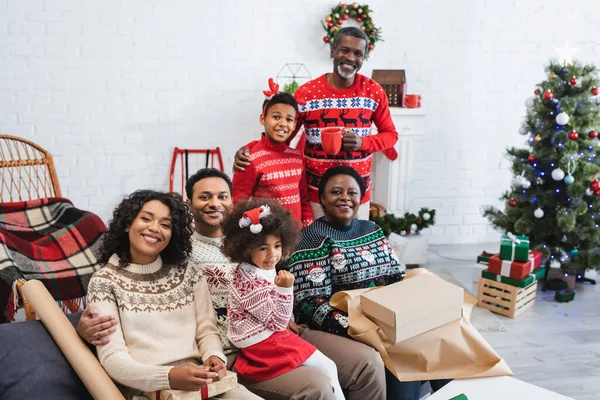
{"x": 91, "y": 373}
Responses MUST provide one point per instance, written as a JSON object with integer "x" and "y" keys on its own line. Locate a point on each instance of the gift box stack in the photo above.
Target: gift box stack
{"x": 509, "y": 283}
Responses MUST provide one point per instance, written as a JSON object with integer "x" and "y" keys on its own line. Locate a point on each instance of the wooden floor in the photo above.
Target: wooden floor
{"x": 552, "y": 345}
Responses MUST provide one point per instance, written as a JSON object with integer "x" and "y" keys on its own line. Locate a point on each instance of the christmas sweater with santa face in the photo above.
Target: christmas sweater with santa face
{"x": 329, "y": 260}
{"x": 356, "y": 108}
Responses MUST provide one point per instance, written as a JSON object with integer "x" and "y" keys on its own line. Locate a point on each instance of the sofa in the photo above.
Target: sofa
{"x": 33, "y": 367}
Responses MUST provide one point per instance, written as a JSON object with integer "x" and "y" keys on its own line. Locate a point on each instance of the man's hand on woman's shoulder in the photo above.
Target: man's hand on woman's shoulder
{"x": 95, "y": 329}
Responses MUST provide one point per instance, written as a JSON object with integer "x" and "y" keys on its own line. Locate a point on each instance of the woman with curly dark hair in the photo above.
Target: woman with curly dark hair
{"x": 167, "y": 322}
{"x": 258, "y": 234}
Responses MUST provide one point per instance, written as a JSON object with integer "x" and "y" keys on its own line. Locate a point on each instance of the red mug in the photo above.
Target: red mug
{"x": 412, "y": 100}
{"x": 331, "y": 140}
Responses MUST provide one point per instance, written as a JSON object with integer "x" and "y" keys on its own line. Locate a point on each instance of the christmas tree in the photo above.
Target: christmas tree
{"x": 555, "y": 193}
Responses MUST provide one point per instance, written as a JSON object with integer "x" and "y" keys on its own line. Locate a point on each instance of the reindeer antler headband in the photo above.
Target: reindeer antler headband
{"x": 251, "y": 218}
{"x": 273, "y": 89}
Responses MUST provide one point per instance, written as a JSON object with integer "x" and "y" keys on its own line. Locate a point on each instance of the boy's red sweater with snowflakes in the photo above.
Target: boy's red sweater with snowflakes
{"x": 276, "y": 171}
{"x": 355, "y": 108}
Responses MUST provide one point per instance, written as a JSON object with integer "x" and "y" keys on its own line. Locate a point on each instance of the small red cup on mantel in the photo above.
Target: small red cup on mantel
{"x": 331, "y": 140}
{"x": 412, "y": 100}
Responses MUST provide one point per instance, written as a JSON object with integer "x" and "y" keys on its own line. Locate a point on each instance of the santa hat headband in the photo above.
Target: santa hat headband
{"x": 251, "y": 218}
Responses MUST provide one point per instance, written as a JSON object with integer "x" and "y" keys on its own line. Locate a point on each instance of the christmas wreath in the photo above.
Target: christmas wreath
{"x": 360, "y": 13}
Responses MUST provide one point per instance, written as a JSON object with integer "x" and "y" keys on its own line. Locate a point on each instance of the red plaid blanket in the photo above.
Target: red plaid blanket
{"x": 49, "y": 240}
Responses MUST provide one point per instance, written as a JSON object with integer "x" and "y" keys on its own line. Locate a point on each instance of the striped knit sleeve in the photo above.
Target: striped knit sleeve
{"x": 307, "y": 212}
{"x": 312, "y": 291}
{"x": 244, "y": 183}
{"x": 386, "y": 136}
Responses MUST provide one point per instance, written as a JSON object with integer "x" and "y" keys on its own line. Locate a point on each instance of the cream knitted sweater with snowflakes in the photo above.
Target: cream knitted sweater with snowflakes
{"x": 217, "y": 270}
{"x": 165, "y": 316}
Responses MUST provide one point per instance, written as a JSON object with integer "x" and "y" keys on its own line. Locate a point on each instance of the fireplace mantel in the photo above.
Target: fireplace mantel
{"x": 390, "y": 179}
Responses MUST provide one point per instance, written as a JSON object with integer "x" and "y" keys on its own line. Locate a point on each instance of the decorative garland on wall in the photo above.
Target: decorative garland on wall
{"x": 333, "y": 22}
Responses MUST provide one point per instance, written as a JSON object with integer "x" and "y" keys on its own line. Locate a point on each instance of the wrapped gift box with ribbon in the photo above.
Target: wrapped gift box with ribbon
{"x": 536, "y": 259}
{"x": 522, "y": 283}
{"x": 484, "y": 257}
{"x": 225, "y": 384}
{"x": 511, "y": 269}
{"x": 514, "y": 248}
{"x": 564, "y": 295}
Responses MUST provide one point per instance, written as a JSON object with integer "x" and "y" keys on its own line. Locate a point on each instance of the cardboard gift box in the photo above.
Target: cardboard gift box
{"x": 559, "y": 273}
{"x": 408, "y": 308}
{"x": 227, "y": 383}
{"x": 555, "y": 284}
{"x": 522, "y": 283}
{"x": 512, "y": 269}
{"x": 536, "y": 259}
{"x": 564, "y": 295}
{"x": 514, "y": 248}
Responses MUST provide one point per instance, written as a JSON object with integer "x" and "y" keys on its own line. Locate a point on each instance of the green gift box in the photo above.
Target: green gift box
{"x": 564, "y": 295}
{"x": 484, "y": 258}
{"x": 522, "y": 283}
{"x": 461, "y": 396}
{"x": 514, "y": 248}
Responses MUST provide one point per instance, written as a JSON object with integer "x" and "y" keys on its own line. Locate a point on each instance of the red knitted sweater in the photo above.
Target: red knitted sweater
{"x": 276, "y": 171}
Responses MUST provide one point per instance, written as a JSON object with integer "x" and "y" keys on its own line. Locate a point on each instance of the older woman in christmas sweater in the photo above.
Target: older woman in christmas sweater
{"x": 339, "y": 252}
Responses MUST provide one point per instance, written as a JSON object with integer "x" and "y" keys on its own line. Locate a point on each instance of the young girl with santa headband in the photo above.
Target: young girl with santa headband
{"x": 258, "y": 234}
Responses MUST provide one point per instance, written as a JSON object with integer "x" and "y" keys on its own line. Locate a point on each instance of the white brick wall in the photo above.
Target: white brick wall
{"x": 110, "y": 87}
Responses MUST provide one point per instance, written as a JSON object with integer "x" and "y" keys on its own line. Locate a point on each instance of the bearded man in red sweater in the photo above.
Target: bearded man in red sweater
{"x": 347, "y": 100}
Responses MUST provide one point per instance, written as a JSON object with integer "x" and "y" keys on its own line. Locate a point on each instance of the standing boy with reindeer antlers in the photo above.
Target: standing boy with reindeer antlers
{"x": 275, "y": 170}
{"x": 351, "y": 101}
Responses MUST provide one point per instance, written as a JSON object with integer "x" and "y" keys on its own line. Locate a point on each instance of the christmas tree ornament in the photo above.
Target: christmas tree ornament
{"x": 538, "y": 213}
{"x": 573, "y": 135}
{"x": 537, "y": 92}
{"x": 553, "y": 75}
{"x": 589, "y": 192}
{"x": 537, "y": 138}
{"x": 562, "y": 118}
{"x": 554, "y": 263}
{"x": 426, "y": 216}
{"x": 595, "y": 185}
{"x": 548, "y": 94}
{"x": 512, "y": 202}
{"x": 593, "y": 134}
{"x": 574, "y": 251}
{"x": 529, "y": 102}
{"x": 539, "y": 181}
{"x": 402, "y": 233}
{"x": 328, "y": 18}
{"x": 570, "y": 169}
{"x": 523, "y": 130}
{"x": 558, "y": 174}
{"x": 566, "y": 54}
{"x": 531, "y": 158}
{"x": 595, "y": 91}
{"x": 573, "y": 81}
{"x": 413, "y": 227}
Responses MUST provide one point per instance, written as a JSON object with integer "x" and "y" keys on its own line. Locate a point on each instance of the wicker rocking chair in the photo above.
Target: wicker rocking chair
{"x": 26, "y": 172}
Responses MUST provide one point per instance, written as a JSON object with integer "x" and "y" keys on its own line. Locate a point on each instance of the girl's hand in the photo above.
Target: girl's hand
{"x": 190, "y": 378}
{"x": 284, "y": 279}
{"x": 295, "y": 328}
